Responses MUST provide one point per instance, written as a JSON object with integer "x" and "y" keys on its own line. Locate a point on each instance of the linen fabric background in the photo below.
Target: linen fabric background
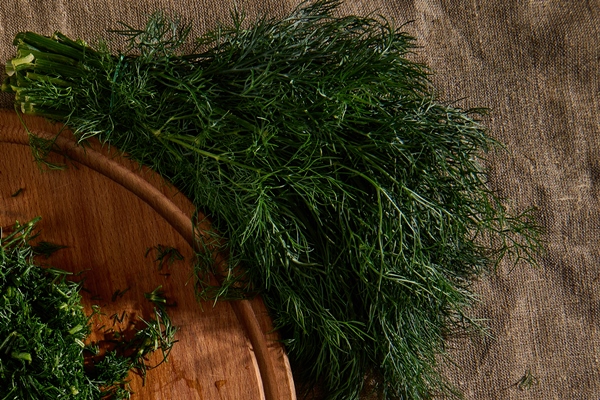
{"x": 535, "y": 65}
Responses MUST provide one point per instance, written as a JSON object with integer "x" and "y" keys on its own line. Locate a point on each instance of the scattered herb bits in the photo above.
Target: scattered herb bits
{"x": 352, "y": 199}
{"x": 165, "y": 255}
{"x": 17, "y": 192}
{"x": 43, "y": 332}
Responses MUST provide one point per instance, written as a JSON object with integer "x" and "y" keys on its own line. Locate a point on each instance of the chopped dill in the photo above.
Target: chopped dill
{"x": 118, "y": 293}
{"x": 116, "y": 318}
{"x": 46, "y": 249}
{"x": 18, "y": 192}
{"x": 43, "y": 332}
{"x": 165, "y": 254}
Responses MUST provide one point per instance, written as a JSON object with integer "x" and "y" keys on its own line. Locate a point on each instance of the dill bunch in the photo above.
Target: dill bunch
{"x": 353, "y": 201}
{"x": 43, "y": 330}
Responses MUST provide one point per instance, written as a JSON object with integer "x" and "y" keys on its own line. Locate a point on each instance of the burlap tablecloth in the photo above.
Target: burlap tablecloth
{"x": 535, "y": 64}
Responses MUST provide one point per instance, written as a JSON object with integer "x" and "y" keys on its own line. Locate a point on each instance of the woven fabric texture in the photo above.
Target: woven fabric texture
{"x": 535, "y": 64}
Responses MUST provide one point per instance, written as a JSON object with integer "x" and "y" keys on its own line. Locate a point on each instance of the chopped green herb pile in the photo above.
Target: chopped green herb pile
{"x": 43, "y": 330}
{"x": 352, "y": 199}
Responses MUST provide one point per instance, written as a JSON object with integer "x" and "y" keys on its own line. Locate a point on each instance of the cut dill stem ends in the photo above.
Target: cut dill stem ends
{"x": 353, "y": 200}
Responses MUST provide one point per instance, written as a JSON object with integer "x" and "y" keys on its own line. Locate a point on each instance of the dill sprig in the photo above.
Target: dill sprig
{"x": 43, "y": 332}
{"x": 165, "y": 255}
{"x": 354, "y": 201}
{"x": 46, "y": 249}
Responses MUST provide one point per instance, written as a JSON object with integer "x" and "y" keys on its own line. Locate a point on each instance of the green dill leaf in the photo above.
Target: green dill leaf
{"x": 165, "y": 254}
{"x": 18, "y": 192}
{"x": 46, "y": 249}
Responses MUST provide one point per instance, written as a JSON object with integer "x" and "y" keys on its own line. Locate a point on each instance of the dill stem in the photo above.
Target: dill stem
{"x": 215, "y": 157}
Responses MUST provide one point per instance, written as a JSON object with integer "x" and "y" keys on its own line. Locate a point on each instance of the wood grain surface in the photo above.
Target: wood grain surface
{"x": 109, "y": 212}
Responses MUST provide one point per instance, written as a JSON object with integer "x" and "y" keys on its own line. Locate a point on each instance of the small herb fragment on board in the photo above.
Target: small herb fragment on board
{"x": 118, "y": 293}
{"x": 158, "y": 334}
{"x": 46, "y": 249}
{"x": 165, "y": 254}
{"x": 17, "y": 193}
{"x": 43, "y": 332}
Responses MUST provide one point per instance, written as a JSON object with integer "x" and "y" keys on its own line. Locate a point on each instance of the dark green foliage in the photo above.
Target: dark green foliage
{"x": 17, "y": 193}
{"x": 43, "y": 329}
{"x": 352, "y": 198}
{"x": 46, "y": 249}
{"x": 165, "y": 254}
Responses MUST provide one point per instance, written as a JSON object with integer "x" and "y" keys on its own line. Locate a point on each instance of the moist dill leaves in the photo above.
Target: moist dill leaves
{"x": 46, "y": 249}
{"x": 352, "y": 199}
{"x": 43, "y": 330}
{"x": 164, "y": 255}
{"x": 118, "y": 293}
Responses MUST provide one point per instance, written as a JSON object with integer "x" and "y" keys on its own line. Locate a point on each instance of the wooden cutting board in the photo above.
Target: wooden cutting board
{"x": 108, "y": 212}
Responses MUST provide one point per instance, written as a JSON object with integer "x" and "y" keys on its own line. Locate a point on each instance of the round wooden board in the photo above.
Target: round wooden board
{"x": 224, "y": 351}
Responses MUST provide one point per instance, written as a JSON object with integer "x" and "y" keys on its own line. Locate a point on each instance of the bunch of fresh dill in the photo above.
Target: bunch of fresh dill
{"x": 353, "y": 200}
{"x": 43, "y": 330}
